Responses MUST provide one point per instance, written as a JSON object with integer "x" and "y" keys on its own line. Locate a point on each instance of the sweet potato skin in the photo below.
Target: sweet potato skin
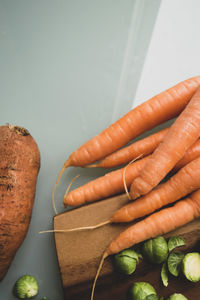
{"x": 19, "y": 167}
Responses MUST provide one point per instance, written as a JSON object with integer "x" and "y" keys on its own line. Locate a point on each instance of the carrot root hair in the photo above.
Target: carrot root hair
{"x": 124, "y": 175}
{"x": 66, "y": 165}
{"x": 105, "y": 254}
{"x": 78, "y": 228}
{"x": 124, "y": 180}
{"x": 69, "y": 186}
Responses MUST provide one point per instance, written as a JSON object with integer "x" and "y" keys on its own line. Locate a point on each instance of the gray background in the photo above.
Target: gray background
{"x": 67, "y": 70}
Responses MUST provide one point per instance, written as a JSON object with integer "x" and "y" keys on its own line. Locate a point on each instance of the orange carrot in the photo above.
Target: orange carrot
{"x": 104, "y": 186}
{"x": 149, "y": 114}
{"x": 181, "y": 135}
{"x": 112, "y": 183}
{"x": 192, "y": 153}
{"x": 142, "y": 147}
{"x": 155, "y": 111}
{"x": 185, "y": 181}
{"x": 158, "y": 223}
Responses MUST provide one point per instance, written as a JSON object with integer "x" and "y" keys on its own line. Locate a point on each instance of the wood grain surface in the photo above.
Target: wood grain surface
{"x": 79, "y": 254}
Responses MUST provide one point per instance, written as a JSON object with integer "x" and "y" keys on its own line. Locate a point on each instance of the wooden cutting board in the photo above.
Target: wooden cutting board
{"x": 79, "y": 254}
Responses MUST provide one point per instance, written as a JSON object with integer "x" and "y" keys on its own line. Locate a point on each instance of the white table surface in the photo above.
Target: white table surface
{"x": 174, "y": 50}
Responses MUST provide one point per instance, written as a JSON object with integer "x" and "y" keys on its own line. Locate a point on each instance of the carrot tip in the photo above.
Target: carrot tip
{"x": 92, "y": 166}
{"x": 134, "y": 195}
{"x": 67, "y": 163}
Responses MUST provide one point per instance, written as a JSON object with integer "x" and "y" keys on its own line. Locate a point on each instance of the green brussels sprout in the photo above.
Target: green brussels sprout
{"x": 191, "y": 266}
{"x": 177, "y": 297}
{"x": 140, "y": 291}
{"x": 26, "y": 287}
{"x": 126, "y": 261}
{"x": 152, "y": 297}
{"x": 155, "y": 250}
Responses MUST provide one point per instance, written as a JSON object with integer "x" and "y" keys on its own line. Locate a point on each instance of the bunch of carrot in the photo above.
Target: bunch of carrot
{"x": 174, "y": 151}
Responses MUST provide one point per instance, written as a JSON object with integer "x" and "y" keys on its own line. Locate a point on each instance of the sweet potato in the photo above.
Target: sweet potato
{"x": 19, "y": 167}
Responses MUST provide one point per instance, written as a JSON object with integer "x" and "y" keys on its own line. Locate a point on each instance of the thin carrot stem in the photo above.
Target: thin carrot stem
{"x": 105, "y": 254}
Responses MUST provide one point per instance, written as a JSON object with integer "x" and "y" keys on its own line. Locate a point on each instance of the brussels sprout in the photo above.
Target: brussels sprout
{"x": 155, "y": 250}
{"x": 174, "y": 262}
{"x": 126, "y": 261}
{"x": 177, "y": 297}
{"x": 191, "y": 266}
{"x": 26, "y": 287}
{"x": 152, "y": 297}
{"x": 140, "y": 290}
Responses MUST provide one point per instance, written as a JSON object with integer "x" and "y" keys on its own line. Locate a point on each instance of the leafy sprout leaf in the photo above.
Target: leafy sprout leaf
{"x": 174, "y": 262}
{"x": 164, "y": 274}
{"x": 175, "y": 241}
